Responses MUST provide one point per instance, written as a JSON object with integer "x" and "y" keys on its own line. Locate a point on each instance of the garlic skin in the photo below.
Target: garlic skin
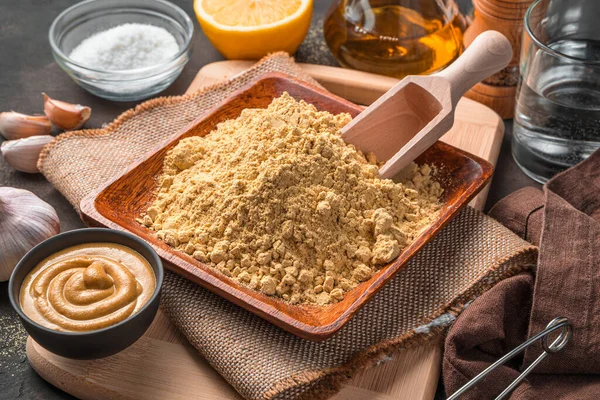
{"x": 14, "y": 125}
{"x": 25, "y": 221}
{"x": 23, "y": 154}
{"x": 65, "y": 115}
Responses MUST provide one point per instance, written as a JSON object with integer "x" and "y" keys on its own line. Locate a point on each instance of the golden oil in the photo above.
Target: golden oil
{"x": 395, "y": 38}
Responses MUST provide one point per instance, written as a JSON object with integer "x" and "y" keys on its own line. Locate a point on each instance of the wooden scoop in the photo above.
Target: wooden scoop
{"x": 417, "y": 111}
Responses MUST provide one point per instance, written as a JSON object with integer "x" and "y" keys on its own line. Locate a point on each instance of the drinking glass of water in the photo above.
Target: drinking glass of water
{"x": 557, "y": 116}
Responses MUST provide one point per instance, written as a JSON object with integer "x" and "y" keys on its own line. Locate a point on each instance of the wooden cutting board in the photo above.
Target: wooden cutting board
{"x": 162, "y": 365}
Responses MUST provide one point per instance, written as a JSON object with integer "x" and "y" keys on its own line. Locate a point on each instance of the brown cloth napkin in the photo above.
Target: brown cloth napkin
{"x": 260, "y": 360}
{"x": 564, "y": 220}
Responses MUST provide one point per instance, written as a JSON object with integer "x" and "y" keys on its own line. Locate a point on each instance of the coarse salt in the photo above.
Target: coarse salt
{"x": 125, "y": 47}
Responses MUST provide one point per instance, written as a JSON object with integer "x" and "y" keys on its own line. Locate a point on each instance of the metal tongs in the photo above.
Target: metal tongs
{"x": 559, "y": 323}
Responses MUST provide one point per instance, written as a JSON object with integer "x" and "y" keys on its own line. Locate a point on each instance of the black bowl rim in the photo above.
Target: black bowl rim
{"x": 159, "y": 275}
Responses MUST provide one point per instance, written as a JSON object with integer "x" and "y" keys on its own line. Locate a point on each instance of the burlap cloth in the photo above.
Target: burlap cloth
{"x": 260, "y": 360}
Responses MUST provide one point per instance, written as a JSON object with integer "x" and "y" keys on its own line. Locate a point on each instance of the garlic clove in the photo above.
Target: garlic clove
{"x": 25, "y": 221}
{"x": 14, "y": 125}
{"x": 65, "y": 115}
{"x": 23, "y": 154}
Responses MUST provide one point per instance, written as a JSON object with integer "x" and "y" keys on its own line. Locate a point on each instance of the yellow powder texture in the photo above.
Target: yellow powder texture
{"x": 276, "y": 200}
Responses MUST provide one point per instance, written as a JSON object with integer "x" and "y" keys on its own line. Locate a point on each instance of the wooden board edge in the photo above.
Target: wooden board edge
{"x": 44, "y": 363}
{"x": 56, "y": 371}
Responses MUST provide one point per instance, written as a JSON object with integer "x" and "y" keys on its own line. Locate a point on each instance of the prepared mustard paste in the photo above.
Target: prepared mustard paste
{"x": 87, "y": 287}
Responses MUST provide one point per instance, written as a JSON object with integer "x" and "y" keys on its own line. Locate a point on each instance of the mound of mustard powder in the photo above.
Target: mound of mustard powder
{"x": 276, "y": 200}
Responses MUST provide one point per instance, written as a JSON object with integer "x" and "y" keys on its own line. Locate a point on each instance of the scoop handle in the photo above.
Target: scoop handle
{"x": 489, "y": 53}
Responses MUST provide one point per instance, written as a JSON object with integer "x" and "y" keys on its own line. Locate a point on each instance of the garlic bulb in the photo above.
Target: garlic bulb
{"x": 23, "y": 154}
{"x": 66, "y": 115}
{"x": 25, "y": 221}
{"x": 14, "y": 125}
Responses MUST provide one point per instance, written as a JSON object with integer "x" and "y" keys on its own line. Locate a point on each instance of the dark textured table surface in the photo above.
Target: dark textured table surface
{"x": 27, "y": 69}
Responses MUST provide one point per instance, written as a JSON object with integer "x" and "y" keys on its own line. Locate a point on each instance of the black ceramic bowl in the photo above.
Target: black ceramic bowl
{"x": 102, "y": 342}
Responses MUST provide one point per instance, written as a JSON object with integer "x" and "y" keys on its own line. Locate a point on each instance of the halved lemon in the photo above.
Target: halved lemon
{"x": 251, "y": 29}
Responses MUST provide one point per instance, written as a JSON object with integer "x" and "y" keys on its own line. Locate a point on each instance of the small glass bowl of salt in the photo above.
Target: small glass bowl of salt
{"x": 122, "y": 50}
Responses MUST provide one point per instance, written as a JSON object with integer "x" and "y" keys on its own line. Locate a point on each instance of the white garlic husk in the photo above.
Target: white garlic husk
{"x": 23, "y": 154}
{"x": 65, "y": 115}
{"x": 14, "y": 125}
{"x": 25, "y": 221}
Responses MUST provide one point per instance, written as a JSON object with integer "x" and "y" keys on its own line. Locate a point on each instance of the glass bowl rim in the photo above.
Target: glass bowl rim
{"x": 189, "y": 33}
{"x": 543, "y": 46}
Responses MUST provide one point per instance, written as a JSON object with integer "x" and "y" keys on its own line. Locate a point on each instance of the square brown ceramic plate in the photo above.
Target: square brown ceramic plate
{"x": 121, "y": 201}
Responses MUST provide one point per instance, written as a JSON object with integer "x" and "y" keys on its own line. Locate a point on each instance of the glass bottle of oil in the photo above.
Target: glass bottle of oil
{"x": 395, "y": 37}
